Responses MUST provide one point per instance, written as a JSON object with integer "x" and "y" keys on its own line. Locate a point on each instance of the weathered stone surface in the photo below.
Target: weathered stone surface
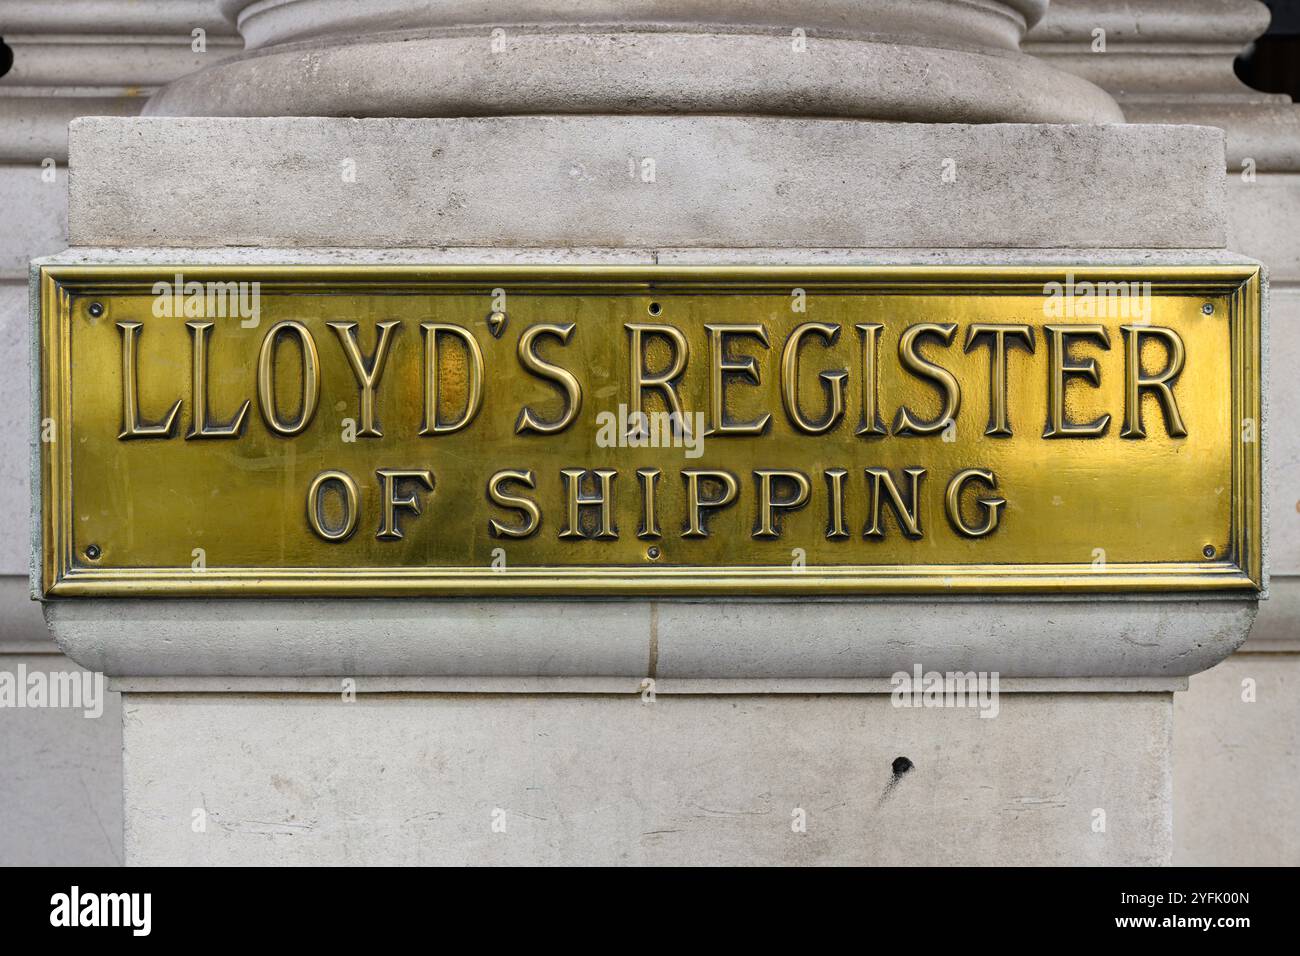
{"x": 16, "y": 433}
{"x": 35, "y": 214}
{"x": 611, "y": 780}
{"x": 632, "y": 639}
{"x": 1237, "y": 764}
{"x": 61, "y": 783}
{"x": 1261, "y": 223}
{"x": 22, "y": 627}
{"x": 1284, "y": 437}
{"x": 718, "y": 182}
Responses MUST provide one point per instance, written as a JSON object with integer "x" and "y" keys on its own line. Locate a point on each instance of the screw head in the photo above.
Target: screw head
{"x": 1208, "y": 551}
{"x": 655, "y": 308}
{"x": 653, "y": 553}
{"x": 93, "y": 552}
{"x": 1208, "y": 308}
{"x": 95, "y": 309}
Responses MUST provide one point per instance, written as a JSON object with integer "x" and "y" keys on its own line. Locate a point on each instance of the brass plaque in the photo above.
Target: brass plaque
{"x": 369, "y": 430}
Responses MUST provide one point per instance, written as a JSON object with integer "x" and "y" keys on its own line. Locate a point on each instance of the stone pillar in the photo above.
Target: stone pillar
{"x": 1237, "y": 768}
{"x": 103, "y": 57}
{"x": 499, "y": 138}
{"x": 926, "y": 61}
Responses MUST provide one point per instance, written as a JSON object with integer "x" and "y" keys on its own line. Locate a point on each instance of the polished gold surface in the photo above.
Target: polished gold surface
{"x": 359, "y": 430}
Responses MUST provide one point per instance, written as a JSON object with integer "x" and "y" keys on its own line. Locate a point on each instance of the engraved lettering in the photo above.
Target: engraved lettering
{"x": 526, "y": 506}
{"x": 904, "y": 422}
{"x": 367, "y": 371}
{"x": 316, "y": 506}
{"x": 200, "y": 427}
{"x": 574, "y": 479}
{"x": 832, "y": 382}
{"x": 528, "y": 357}
{"x": 1136, "y": 382}
{"x": 388, "y": 479}
{"x": 998, "y": 336}
{"x": 721, "y": 366}
{"x": 1060, "y": 368}
{"x": 696, "y": 502}
{"x": 769, "y": 504}
{"x": 665, "y": 380}
{"x": 908, "y": 513}
{"x": 991, "y": 507}
{"x": 310, "y": 396}
{"x": 132, "y": 425}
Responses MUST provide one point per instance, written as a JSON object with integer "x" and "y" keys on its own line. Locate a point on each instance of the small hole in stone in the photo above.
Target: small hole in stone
{"x": 901, "y": 765}
{"x": 6, "y": 57}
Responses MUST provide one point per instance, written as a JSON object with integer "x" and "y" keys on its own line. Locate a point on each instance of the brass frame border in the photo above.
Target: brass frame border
{"x": 1241, "y": 571}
